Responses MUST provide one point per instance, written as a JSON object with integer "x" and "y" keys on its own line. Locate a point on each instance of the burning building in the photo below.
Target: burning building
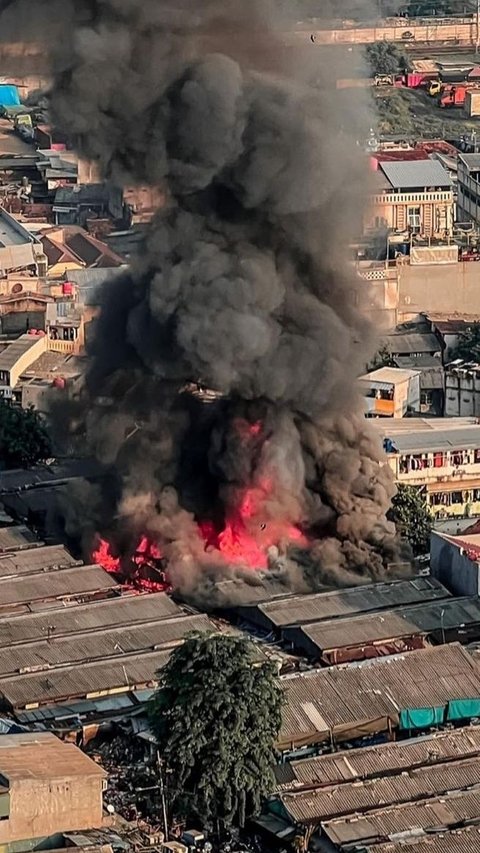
{"x": 241, "y": 286}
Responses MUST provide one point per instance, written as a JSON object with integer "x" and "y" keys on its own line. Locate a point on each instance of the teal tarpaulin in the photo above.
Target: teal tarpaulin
{"x": 421, "y": 718}
{"x": 463, "y": 709}
{"x": 9, "y": 96}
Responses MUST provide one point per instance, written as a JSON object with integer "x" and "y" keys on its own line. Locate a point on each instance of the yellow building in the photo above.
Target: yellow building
{"x": 411, "y": 195}
{"x": 439, "y": 455}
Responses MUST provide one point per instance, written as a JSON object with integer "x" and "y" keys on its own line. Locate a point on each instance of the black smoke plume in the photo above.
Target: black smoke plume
{"x": 243, "y": 286}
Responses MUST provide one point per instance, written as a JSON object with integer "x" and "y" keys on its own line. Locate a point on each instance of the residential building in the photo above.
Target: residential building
{"x": 46, "y": 787}
{"x": 440, "y": 456}
{"x": 432, "y": 381}
{"x": 468, "y": 198}
{"x": 390, "y": 392}
{"x": 455, "y": 561}
{"x": 16, "y": 358}
{"x": 462, "y": 389}
{"x": 18, "y": 247}
{"x": 411, "y": 195}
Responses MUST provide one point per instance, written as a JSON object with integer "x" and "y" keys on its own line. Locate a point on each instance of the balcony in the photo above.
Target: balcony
{"x": 66, "y": 347}
{"x": 445, "y": 196}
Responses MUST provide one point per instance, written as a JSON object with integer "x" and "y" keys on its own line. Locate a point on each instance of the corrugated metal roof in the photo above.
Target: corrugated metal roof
{"x": 388, "y": 376}
{"x": 74, "y": 681}
{"x": 415, "y": 173}
{"x": 36, "y": 559}
{"x": 74, "y": 618}
{"x": 44, "y": 756}
{"x": 345, "y": 696}
{"x": 458, "y": 841}
{"x": 442, "y": 812}
{"x": 101, "y": 644}
{"x": 10, "y": 355}
{"x": 42, "y": 587}
{"x": 13, "y": 538}
{"x": 389, "y": 624}
{"x": 373, "y": 761}
{"x": 299, "y": 609}
{"x": 323, "y": 803}
{"x": 467, "y": 438}
{"x": 412, "y": 342}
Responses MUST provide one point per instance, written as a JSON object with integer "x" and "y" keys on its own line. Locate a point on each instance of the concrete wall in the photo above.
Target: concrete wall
{"x": 454, "y": 30}
{"x": 451, "y": 566}
{"x": 39, "y": 807}
{"x": 462, "y": 393}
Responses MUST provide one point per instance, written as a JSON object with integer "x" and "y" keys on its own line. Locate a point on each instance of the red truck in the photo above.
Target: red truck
{"x": 454, "y": 96}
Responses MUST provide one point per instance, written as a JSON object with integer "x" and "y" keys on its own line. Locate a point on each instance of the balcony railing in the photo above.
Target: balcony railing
{"x": 61, "y": 346}
{"x": 414, "y": 198}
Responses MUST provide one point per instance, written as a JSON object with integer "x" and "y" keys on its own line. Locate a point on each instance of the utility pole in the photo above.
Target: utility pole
{"x": 162, "y": 795}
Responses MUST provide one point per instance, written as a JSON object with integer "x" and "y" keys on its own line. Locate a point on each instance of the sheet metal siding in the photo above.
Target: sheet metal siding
{"x": 416, "y": 174}
{"x": 352, "y": 694}
{"x": 313, "y": 806}
{"x": 99, "y": 644}
{"x": 312, "y": 608}
{"x": 382, "y": 759}
{"x": 446, "y": 812}
{"x": 19, "y": 536}
{"x": 75, "y": 618}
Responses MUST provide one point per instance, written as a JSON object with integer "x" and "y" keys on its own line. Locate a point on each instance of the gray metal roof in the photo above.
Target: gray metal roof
{"x": 99, "y": 645}
{"x": 465, "y": 840}
{"x": 305, "y": 807}
{"x": 299, "y": 609}
{"x": 94, "y": 616}
{"x": 412, "y": 342}
{"x": 339, "y": 699}
{"x": 368, "y": 762}
{"x": 467, "y": 438}
{"x": 444, "y": 811}
{"x": 19, "y": 536}
{"x": 35, "y": 560}
{"x": 432, "y": 373}
{"x": 74, "y": 681}
{"x": 451, "y": 614}
{"x": 415, "y": 174}
{"x": 44, "y": 587}
{"x": 471, "y": 161}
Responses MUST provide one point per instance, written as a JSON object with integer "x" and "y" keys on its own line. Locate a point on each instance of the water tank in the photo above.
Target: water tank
{"x": 59, "y": 382}
{"x": 67, "y": 288}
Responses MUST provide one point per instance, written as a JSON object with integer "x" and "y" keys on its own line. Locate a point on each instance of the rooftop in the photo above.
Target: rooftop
{"x": 471, "y": 161}
{"x": 388, "y": 375}
{"x": 343, "y": 700}
{"x": 36, "y": 560}
{"x": 12, "y": 232}
{"x": 43, "y": 756}
{"x": 457, "y": 841}
{"x": 409, "y": 343}
{"x": 17, "y": 536}
{"x": 426, "y": 618}
{"x": 297, "y": 609}
{"x": 415, "y": 174}
{"x": 447, "y": 811}
{"x": 77, "y": 618}
{"x": 52, "y": 585}
{"x": 10, "y": 355}
{"x": 421, "y": 435}
{"x": 354, "y": 797}
{"x": 368, "y": 762}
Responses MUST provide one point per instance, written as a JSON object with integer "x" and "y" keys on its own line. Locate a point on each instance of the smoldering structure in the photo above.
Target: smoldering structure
{"x": 221, "y": 388}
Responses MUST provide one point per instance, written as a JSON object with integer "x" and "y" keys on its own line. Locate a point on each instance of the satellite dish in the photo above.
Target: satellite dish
{"x": 110, "y": 809}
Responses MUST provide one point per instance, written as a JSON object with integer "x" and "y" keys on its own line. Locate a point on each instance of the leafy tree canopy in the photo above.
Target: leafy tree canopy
{"x": 413, "y": 521}
{"x": 23, "y": 437}
{"x": 468, "y": 345}
{"x": 386, "y": 58}
{"x": 216, "y": 716}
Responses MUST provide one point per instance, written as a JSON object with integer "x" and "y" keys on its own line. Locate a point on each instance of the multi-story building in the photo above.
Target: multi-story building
{"x": 462, "y": 389}
{"x": 439, "y": 456}
{"x": 468, "y": 197}
{"x": 412, "y": 195}
{"x": 390, "y": 392}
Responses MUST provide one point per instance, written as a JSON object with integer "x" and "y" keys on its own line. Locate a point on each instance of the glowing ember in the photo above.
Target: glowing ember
{"x": 142, "y": 571}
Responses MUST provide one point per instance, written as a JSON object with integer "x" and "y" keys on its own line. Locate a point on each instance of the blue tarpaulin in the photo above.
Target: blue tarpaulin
{"x": 9, "y": 96}
{"x": 421, "y": 718}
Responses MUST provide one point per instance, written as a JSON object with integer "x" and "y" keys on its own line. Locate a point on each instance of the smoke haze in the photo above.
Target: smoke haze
{"x": 242, "y": 286}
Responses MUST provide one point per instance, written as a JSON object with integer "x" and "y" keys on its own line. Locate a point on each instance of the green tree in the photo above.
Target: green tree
{"x": 216, "y": 716}
{"x": 468, "y": 345}
{"x": 23, "y": 437}
{"x": 382, "y": 358}
{"x": 413, "y": 521}
{"x": 386, "y": 57}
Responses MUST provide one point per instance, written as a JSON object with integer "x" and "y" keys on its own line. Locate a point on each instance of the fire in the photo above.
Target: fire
{"x": 142, "y": 570}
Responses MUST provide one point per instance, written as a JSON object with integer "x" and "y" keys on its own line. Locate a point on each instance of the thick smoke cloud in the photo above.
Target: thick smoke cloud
{"x": 242, "y": 285}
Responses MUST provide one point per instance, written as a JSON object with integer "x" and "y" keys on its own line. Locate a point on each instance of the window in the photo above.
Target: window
{"x": 457, "y": 497}
{"x": 414, "y": 218}
{"x": 476, "y": 455}
{"x": 439, "y": 460}
{"x": 426, "y": 398}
